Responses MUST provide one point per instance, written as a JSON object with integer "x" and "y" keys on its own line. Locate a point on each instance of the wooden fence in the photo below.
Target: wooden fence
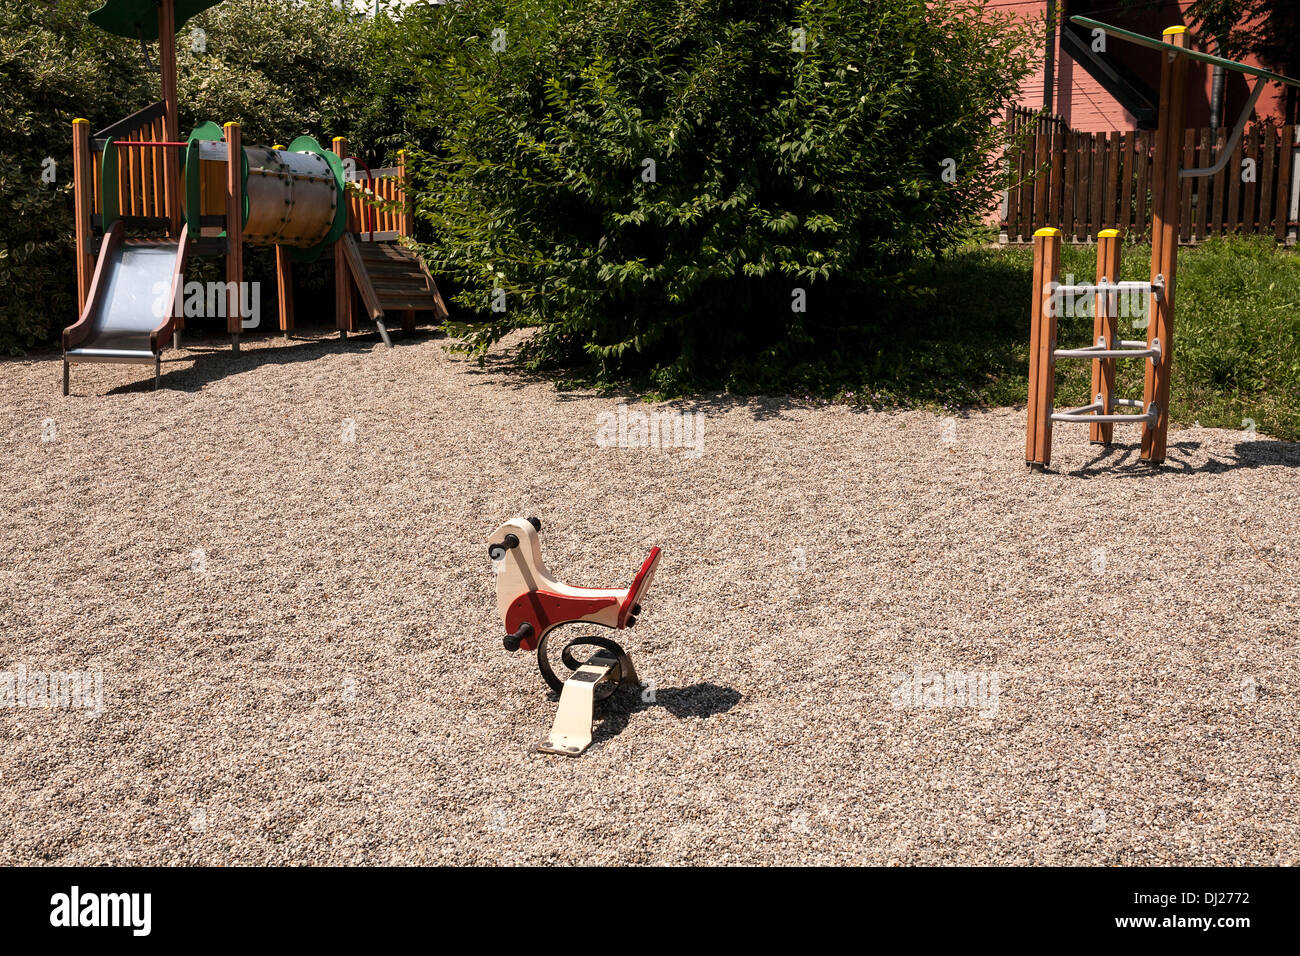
{"x": 1082, "y": 183}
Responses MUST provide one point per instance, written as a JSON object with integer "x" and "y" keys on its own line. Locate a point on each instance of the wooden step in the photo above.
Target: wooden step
{"x": 377, "y": 250}
{"x": 387, "y": 272}
{"x": 389, "y": 287}
{"x": 397, "y": 301}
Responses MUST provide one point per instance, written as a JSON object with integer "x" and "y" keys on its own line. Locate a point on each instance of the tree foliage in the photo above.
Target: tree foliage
{"x": 700, "y": 187}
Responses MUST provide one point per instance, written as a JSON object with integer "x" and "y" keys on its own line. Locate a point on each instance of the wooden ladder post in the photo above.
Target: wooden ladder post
{"x": 83, "y": 187}
{"x": 234, "y": 233}
{"x": 1105, "y": 332}
{"x": 1042, "y": 344}
{"x": 284, "y": 285}
{"x": 344, "y": 317}
{"x": 284, "y": 288}
{"x": 1164, "y": 243}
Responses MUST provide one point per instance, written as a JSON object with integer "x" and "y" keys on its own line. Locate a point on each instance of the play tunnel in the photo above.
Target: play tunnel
{"x": 291, "y": 197}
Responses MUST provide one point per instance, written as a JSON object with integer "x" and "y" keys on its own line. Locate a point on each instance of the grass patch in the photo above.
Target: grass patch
{"x": 961, "y": 337}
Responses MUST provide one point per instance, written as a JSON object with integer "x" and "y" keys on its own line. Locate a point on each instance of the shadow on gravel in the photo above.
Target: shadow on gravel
{"x": 702, "y": 700}
{"x": 211, "y": 359}
{"x": 1125, "y": 461}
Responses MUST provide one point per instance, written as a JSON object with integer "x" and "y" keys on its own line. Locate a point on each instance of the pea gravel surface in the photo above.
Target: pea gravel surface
{"x": 874, "y": 636}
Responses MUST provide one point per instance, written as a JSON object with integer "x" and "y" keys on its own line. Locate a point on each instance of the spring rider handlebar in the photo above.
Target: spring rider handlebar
{"x": 532, "y": 603}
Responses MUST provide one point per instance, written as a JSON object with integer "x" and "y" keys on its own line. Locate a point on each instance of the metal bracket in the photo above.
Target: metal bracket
{"x": 571, "y": 732}
{"x": 144, "y": 50}
{"x": 1233, "y": 140}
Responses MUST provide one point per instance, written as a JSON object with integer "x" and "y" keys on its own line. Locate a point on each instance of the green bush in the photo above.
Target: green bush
{"x": 280, "y": 69}
{"x": 777, "y": 167}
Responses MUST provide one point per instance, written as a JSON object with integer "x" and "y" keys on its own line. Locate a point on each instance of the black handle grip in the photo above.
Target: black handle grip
{"x": 511, "y": 642}
{"x": 498, "y": 551}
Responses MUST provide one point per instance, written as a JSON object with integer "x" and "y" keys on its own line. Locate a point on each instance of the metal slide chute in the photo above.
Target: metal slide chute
{"x": 131, "y": 310}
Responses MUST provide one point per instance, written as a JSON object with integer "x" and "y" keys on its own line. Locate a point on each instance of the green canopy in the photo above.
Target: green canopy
{"x": 133, "y": 18}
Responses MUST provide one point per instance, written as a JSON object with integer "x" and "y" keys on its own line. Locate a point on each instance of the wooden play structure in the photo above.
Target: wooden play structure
{"x": 1156, "y": 351}
{"x": 209, "y": 195}
{"x": 532, "y": 603}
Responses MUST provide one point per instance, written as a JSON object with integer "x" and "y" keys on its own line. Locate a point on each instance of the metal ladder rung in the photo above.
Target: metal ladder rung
{"x": 1129, "y": 348}
{"x": 1092, "y": 352}
{"x": 1091, "y": 414}
{"x": 1157, "y": 288}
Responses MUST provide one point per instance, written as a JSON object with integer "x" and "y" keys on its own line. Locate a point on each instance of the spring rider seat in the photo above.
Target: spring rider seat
{"x": 532, "y": 604}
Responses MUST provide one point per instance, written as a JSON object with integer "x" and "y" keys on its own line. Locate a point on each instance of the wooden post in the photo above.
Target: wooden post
{"x": 1042, "y": 344}
{"x": 1164, "y": 243}
{"x": 167, "y": 67}
{"x": 407, "y": 221}
{"x": 343, "y": 292}
{"x": 83, "y": 186}
{"x": 284, "y": 284}
{"x": 1105, "y": 332}
{"x": 234, "y": 233}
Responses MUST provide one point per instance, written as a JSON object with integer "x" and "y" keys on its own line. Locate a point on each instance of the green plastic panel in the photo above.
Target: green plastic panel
{"x": 308, "y": 144}
{"x": 1211, "y": 59}
{"x": 108, "y": 173}
{"x": 134, "y": 18}
{"x": 209, "y": 133}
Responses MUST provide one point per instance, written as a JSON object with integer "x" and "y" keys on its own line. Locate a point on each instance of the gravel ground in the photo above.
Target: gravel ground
{"x": 278, "y": 563}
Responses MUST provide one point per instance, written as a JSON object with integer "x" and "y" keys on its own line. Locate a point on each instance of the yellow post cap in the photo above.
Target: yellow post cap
{"x": 1108, "y": 234}
{"x": 1047, "y": 231}
{"x": 339, "y": 139}
{"x": 228, "y": 125}
{"x": 79, "y": 120}
{"x": 279, "y": 146}
{"x": 1170, "y": 31}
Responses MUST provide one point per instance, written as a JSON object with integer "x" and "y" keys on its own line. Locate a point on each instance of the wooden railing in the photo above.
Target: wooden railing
{"x": 378, "y": 208}
{"x": 1082, "y": 183}
{"x": 142, "y": 193}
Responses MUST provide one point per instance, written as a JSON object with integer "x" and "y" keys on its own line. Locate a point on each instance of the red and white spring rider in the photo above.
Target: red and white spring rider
{"x": 532, "y": 604}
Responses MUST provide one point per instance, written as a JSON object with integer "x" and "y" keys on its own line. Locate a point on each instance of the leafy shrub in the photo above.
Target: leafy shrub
{"x": 647, "y": 183}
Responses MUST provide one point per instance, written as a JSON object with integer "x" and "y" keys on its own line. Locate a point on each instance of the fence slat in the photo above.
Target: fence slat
{"x": 1250, "y": 202}
{"x": 1085, "y": 185}
{"x": 1219, "y": 208}
{"x": 1233, "y": 173}
{"x": 1144, "y": 170}
{"x": 1071, "y": 172}
{"x": 1083, "y": 182}
{"x": 1266, "y": 180}
{"x": 1113, "y": 215}
{"x": 1123, "y": 223}
{"x": 1283, "y": 204}
{"x": 1203, "y": 186}
{"x": 1054, "y": 187}
{"x": 1041, "y": 179}
{"x": 1098, "y": 183}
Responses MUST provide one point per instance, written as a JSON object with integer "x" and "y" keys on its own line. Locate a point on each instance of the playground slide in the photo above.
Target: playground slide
{"x": 125, "y": 319}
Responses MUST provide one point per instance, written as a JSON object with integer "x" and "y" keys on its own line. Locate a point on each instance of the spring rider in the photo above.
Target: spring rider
{"x": 532, "y": 604}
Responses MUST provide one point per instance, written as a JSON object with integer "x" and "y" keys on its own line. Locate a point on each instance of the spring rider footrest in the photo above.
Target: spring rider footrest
{"x": 532, "y": 604}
